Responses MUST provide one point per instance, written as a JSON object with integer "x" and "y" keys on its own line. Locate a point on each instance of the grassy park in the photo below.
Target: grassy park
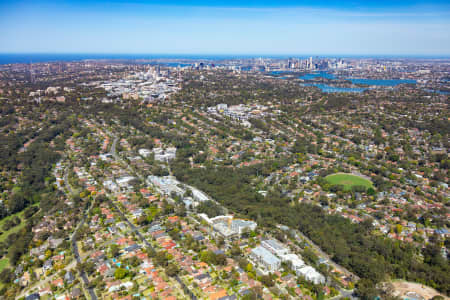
{"x": 14, "y": 229}
{"x": 348, "y": 180}
{"x": 4, "y": 234}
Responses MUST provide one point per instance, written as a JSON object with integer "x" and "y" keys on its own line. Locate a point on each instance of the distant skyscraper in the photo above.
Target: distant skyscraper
{"x": 30, "y": 74}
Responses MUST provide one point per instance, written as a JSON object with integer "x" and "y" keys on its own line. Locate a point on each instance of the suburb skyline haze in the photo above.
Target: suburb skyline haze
{"x": 410, "y": 28}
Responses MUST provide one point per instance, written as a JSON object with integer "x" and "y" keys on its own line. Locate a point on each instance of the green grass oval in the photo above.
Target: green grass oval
{"x": 348, "y": 180}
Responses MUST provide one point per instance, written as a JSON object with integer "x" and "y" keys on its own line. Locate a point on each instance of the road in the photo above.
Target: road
{"x": 132, "y": 226}
{"x": 73, "y": 241}
{"x": 324, "y": 255}
{"x": 148, "y": 245}
{"x": 42, "y": 283}
{"x": 113, "y": 148}
{"x": 344, "y": 293}
{"x": 119, "y": 159}
{"x": 66, "y": 183}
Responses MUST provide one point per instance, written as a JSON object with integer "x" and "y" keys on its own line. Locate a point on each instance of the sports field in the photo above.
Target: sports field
{"x": 348, "y": 180}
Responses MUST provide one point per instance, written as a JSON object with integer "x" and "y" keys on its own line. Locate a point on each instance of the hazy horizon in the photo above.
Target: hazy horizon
{"x": 368, "y": 28}
{"x": 244, "y": 55}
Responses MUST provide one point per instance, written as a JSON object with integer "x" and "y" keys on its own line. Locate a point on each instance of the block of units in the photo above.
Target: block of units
{"x": 265, "y": 258}
{"x": 275, "y": 247}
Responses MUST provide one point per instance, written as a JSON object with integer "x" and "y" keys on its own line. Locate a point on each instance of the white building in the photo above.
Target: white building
{"x": 264, "y": 258}
{"x": 275, "y": 247}
{"x": 310, "y": 274}
{"x": 296, "y": 262}
{"x": 124, "y": 181}
{"x": 105, "y": 157}
{"x": 127, "y": 285}
{"x": 166, "y": 184}
{"x": 199, "y": 195}
{"x": 144, "y": 152}
{"x": 246, "y": 124}
{"x": 165, "y": 154}
{"x": 228, "y": 227}
{"x": 111, "y": 185}
{"x": 241, "y": 226}
{"x": 222, "y": 106}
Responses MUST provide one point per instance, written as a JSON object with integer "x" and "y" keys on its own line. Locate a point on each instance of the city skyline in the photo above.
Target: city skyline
{"x": 198, "y": 27}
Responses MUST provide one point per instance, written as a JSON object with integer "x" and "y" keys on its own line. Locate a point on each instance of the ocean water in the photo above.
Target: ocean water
{"x": 12, "y": 58}
{"x": 26, "y": 58}
{"x": 279, "y": 72}
{"x": 376, "y": 82}
{"x": 333, "y": 89}
{"x": 381, "y": 82}
{"x": 321, "y": 74}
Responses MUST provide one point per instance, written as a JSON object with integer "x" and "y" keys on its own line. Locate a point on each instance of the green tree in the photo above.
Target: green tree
{"x": 172, "y": 270}
{"x": 120, "y": 273}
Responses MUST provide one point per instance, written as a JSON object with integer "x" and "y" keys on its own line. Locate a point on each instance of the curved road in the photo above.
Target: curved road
{"x": 73, "y": 241}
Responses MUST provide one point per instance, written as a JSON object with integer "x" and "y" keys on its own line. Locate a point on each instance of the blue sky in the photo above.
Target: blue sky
{"x": 226, "y": 27}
